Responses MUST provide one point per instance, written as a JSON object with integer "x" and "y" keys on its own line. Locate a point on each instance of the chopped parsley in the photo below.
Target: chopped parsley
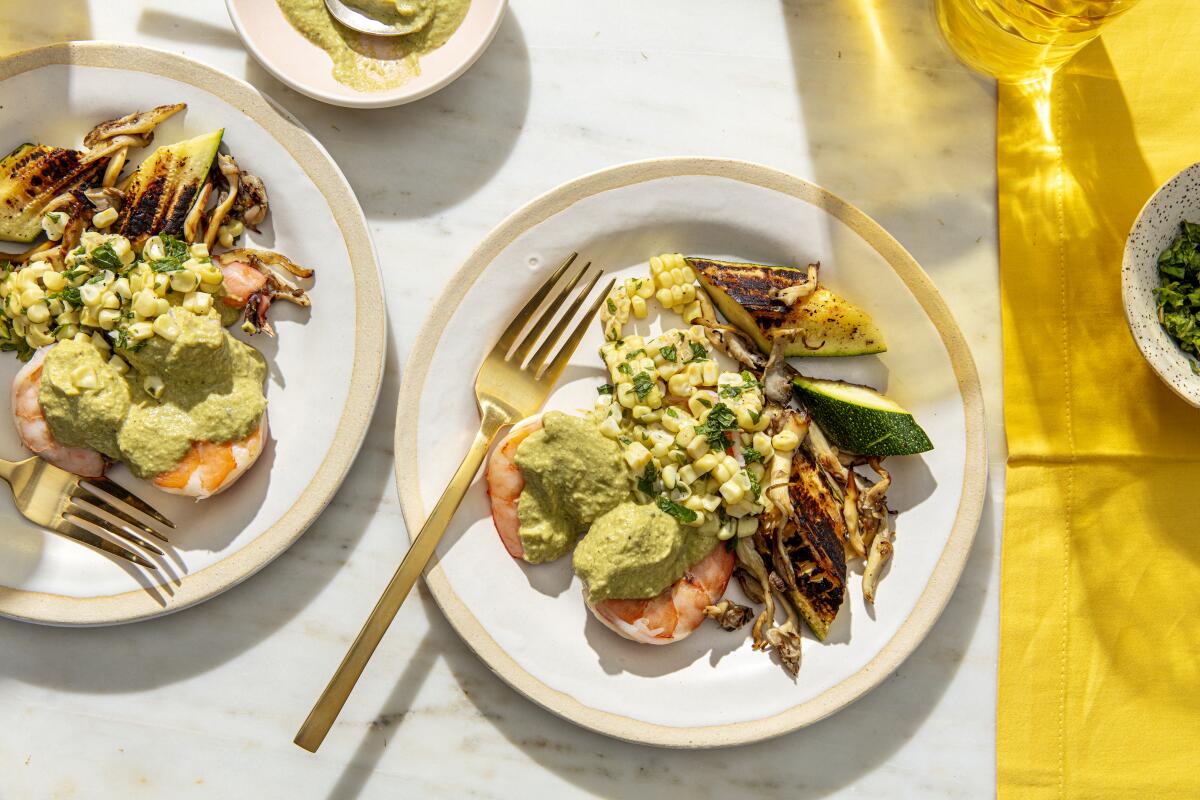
{"x": 20, "y": 347}
{"x": 106, "y": 258}
{"x": 605, "y": 388}
{"x": 704, "y": 402}
{"x": 720, "y": 420}
{"x": 755, "y": 486}
{"x": 645, "y": 483}
{"x": 643, "y": 384}
{"x": 672, "y": 412}
{"x": 68, "y": 295}
{"x": 730, "y": 391}
{"x": 750, "y": 455}
{"x": 669, "y": 352}
{"x": 175, "y": 254}
{"x": 97, "y": 278}
{"x": 699, "y": 352}
{"x": 681, "y": 513}
{"x": 624, "y": 368}
{"x": 610, "y": 305}
{"x": 755, "y": 416}
{"x": 1178, "y": 294}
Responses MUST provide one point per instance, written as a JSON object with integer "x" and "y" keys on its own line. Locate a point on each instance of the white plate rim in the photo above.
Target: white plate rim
{"x": 370, "y": 342}
{"x": 1160, "y": 351}
{"x": 950, "y": 564}
{"x": 382, "y": 99}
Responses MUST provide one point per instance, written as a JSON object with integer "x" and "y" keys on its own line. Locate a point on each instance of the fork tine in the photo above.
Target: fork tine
{"x": 86, "y": 514}
{"x": 514, "y": 328}
{"x": 86, "y": 537}
{"x": 559, "y": 363}
{"x": 538, "y": 325}
{"x": 547, "y": 347}
{"x": 138, "y": 527}
{"x": 121, "y": 493}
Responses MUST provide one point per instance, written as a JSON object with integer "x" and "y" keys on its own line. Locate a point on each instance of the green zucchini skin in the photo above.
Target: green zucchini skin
{"x": 165, "y": 187}
{"x": 859, "y": 428}
{"x": 746, "y": 294}
{"x": 30, "y": 177}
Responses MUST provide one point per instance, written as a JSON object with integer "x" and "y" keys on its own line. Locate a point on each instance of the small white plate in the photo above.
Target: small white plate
{"x": 299, "y": 63}
{"x": 1156, "y": 227}
{"x": 325, "y": 364}
{"x": 528, "y": 622}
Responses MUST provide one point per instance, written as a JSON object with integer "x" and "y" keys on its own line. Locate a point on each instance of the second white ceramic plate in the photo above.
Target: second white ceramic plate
{"x": 325, "y": 365}
{"x": 529, "y": 622}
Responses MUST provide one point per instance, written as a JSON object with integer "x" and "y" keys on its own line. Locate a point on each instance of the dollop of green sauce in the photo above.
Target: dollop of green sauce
{"x": 213, "y": 391}
{"x": 636, "y": 551}
{"x": 375, "y": 63}
{"x": 573, "y": 474}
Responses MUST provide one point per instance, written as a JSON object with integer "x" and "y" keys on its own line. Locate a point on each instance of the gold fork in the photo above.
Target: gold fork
{"x": 510, "y": 386}
{"x": 60, "y": 501}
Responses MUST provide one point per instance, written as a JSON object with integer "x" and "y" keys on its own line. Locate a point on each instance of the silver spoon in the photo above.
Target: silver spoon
{"x": 356, "y": 20}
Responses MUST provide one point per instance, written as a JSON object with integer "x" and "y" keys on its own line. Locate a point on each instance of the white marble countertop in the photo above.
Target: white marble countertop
{"x": 859, "y": 95}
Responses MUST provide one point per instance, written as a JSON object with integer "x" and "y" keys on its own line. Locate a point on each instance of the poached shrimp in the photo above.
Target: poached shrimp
{"x": 34, "y": 430}
{"x": 677, "y": 610}
{"x": 505, "y": 484}
{"x": 210, "y": 468}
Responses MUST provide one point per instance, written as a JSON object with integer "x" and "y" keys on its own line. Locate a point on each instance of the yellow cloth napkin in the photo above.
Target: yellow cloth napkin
{"x": 1100, "y": 582}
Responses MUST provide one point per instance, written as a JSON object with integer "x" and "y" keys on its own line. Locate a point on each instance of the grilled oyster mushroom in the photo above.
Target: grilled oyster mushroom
{"x": 815, "y": 545}
{"x": 252, "y": 205}
{"x": 727, "y": 338}
{"x": 139, "y": 123}
{"x": 728, "y": 614}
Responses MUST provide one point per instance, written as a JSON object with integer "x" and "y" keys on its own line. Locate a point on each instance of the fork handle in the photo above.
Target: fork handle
{"x": 327, "y": 707}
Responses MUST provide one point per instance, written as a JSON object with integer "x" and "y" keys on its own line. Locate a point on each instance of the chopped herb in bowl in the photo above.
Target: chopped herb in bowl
{"x": 1178, "y": 293}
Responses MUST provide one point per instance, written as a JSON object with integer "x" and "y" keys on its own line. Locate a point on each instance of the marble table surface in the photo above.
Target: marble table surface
{"x": 861, "y": 96}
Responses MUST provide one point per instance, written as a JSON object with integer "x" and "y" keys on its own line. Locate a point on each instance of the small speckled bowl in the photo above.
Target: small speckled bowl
{"x": 1156, "y": 227}
{"x": 300, "y": 64}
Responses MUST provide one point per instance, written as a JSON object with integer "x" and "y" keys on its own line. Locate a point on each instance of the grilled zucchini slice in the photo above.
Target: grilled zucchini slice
{"x": 860, "y": 420}
{"x": 165, "y": 187}
{"x": 815, "y": 547}
{"x": 30, "y": 177}
{"x": 825, "y": 323}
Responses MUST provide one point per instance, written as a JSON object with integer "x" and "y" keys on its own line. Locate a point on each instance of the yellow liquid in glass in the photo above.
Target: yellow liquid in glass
{"x": 1020, "y": 40}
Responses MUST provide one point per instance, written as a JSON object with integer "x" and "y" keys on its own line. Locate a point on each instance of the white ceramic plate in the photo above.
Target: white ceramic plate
{"x": 1156, "y": 227}
{"x": 299, "y": 63}
{"x": 529, "y": 623}
{"x": 325, "y": 365}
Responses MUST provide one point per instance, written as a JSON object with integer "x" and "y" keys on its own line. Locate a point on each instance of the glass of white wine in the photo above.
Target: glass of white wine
{"x": 1016, "y": 41}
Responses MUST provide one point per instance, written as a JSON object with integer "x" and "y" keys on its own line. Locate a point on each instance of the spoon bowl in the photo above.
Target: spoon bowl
{"x": 358, "y": 21}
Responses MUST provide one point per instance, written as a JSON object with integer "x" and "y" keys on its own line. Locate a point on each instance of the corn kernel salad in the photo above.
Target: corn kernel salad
{"x": 106, "y": 293}
{"x": 692, "y": 434}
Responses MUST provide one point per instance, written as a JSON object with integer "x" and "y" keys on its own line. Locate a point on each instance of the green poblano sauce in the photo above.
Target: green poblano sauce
{"x": 375, "y": 63}
{"x": 213, "y": 392}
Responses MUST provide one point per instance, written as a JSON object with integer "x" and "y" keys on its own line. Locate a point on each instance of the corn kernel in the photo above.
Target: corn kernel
{"x": 153, "y": 249}
{"x": 785, "y": 441}
{"x": 664, "y": 297}
{"x": 110, "y": 300}
{"x": 762, "y": 443}
{"x": 108, "y": 318}
{"x": 669, "y": 475}
{"x": 166, "y": 327}
{"x": 84, "y": 377}
{"x": 709, "y": 372}
{"x": 145, "y": 304}
{"x": 140, "y": 331}
{"x": 697, "y": 447}
{"x": 32, "y": 295}
{"x": 184, "y": 281}
{"x": 638, "y": 306}
{"x": 90, "y": 293}
{"x": 626, "y": 396}
{"x": 199, "y": 250}
{"x": 636, "y": 456}
{"x": 105, "y": 218}
{"x": 705, "y": 463}
{"x": 38, "y": 312}
{"x": 121, "y": 288}
{"x": 53, "y": 281}
{"x": 154, "y": 386}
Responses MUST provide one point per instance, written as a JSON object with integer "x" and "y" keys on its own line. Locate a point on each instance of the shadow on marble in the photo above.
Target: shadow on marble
{"x": 896, "y": 64}
{"x": 810, "y": 763}
{"x": 159, "y": 652}
{"x": 186, "y": 30}
{"x": 25, "y": 25}
{"x": 440, "y": 149}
